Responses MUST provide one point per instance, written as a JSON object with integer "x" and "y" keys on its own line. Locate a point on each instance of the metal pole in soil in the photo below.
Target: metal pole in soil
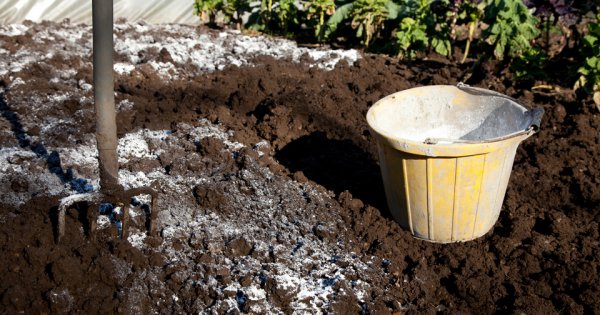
{"x": 106, "y": 125}
{"x": 106, "y": 132}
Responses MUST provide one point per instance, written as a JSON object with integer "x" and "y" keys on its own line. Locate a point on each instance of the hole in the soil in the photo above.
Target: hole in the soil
{"x": 54, "y": 221}
{"x": 82, "y": 216}
{"x": 48, "y": 271}
{"x": 450, "y": 284}
{"x": 410, "y": 265}
{"x": 374, "y": 246}
{"x": 542, "y": 226}
{"x": 477, "y": 75}
{"x": 337, "y": 165}
{"x": 504, "y": 225}
{"x": 505, "y": 305}
{"x": 262, "y": 109}
{"x": 158, "y": 96}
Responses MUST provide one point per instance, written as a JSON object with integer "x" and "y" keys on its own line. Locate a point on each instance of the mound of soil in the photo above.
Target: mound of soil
{"x": 270, "y": 196}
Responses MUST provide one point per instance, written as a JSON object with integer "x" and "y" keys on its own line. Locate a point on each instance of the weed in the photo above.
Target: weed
{"x": 590, "y": 70}
{"x": 511, "y": 29}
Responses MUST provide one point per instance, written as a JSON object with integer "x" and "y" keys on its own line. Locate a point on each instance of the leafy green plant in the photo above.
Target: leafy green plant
{"x": 207, "y": 10}
{"x": 421, "y": 27}
{"x": 286, "y": 13}
{"x": 341, "y": 14}
{"x": 367, "y": 17}
{"x": 411, "y": 37}
{"x": 263, "y": 19}
{"x": 266, "y": 8}
{"x": 530, "y": 65}
{"x": 438, "y": 26}
{"x": 234, "y": 10}
{"x": 469, "y": 12}
{"x": 512, "y": 28}
{"x": 590, "y": 71}
{"x": 316, "y": 12}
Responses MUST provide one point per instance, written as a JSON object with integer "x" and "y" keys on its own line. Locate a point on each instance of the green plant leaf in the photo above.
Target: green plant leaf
{"x": 359, "y": 31}
{"x": 441, "y": 46}
{"x": 341, "y": 14}
{"x": 393, "y": 9}
{"x": 590, "y": 40}
{"x": 592, "y": 62}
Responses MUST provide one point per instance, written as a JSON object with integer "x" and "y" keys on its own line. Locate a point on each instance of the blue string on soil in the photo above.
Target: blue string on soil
{"x": 115, "y": 214}
{"x": 385, "y": 265}
{"x": 364, "y": 310}
{"x": 328, "y": 282}
{"x": 335, "y": 259}
{"x": 297, "y": 247}
{"x": 241, "y": 298}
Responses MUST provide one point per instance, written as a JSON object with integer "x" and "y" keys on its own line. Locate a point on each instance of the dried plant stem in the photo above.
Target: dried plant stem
{"x": 469, "y": 40}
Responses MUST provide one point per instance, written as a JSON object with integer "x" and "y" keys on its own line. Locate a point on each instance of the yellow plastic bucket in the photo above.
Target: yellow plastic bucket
{"x": 446, "y": 153}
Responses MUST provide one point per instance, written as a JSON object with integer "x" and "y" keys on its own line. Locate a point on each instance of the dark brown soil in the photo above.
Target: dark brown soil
{"x": 543, "y": 255}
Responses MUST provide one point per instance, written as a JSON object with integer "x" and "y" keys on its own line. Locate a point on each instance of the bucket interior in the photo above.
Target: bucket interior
{"x": 447, "y": 113}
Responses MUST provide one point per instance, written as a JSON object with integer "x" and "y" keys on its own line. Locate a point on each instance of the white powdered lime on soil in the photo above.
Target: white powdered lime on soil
{"x": 280, "y": 235}
{"x": 206, "y": 51}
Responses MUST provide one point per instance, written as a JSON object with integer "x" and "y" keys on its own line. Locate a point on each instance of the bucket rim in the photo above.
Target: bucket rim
{"x": 456, "y": 147}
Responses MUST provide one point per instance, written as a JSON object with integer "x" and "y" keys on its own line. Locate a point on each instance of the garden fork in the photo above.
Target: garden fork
{"x": 106, "y": 136}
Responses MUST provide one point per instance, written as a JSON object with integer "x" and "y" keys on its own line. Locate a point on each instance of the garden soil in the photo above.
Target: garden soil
{"x": 270, "y": 194}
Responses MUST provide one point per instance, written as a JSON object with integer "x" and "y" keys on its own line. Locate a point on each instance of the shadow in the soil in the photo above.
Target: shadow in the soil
{"x": 80, "y": 185}
{"x": 337, "y": 165}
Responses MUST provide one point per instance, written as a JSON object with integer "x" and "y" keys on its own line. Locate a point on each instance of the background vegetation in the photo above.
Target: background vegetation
{"x": 530, "y": 37}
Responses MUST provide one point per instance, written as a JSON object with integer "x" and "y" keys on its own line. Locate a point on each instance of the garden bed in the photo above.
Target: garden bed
{"x": 270, "y": 196}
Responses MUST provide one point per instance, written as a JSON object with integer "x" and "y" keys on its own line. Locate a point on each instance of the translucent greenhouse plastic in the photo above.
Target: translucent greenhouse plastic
{"x": 80, "y": 11}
